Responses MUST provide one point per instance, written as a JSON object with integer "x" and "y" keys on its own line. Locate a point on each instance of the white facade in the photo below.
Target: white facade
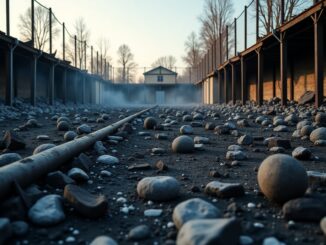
{"x": 160, "y": 75}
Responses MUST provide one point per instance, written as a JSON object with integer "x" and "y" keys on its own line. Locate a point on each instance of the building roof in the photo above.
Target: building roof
{"x": 160, "y": 70}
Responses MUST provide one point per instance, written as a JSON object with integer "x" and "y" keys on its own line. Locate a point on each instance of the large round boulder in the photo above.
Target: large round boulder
{"x": 183, "y": 144}
{"x": 282, "y": 178}
{"x": 150, "y": 123}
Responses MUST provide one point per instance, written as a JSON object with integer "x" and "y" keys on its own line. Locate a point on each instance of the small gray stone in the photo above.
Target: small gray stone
{"x": 107, "y": 159}
{"x": 158, "y": 151}
{"x": 183, "y": 144}
{"x": 63, "y": 126}
{"x": 100, "y": 148}
{"x": 316, "y": 178}
{"x": 150, "y": 123}
{"x": 153, "y": 212}
{"x": 201, "y": 140}
{"x": 277, "y": 149}
{"x": 301, "y": 153}
{"x": 8, "y": 158}
{"x": 210, "y": 231}
{"x": 84, "y": 129}
{"x": 43, "y": 137}
{"x": 43, "y": 147}
{"x": 78, "y": 175}
{"x": 235, "y": 155}
{"x": 103, "y": 240}
{"x": 47, "y": 211}
{"x": 245, "y": 140}
{"x": 5, "y": 230}
{"x": 140, "y": 232}
{"x": 19, "y": 228}
{"x": 159, "y": 188}
{"x": 224, "y": 190}
{"x": 69, "y": 135}
{"x": 235, "y": 148}
{"x": 318, "y": 134}
{"x": 304, "y": 209}
{"x": 281, "y": 128}
{"x": 194, "y": 208}
{"x": 272, "y": 241}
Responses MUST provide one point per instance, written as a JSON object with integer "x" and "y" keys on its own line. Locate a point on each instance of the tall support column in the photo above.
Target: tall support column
{"x": 245, "y": 27}
{"x": 75, "y": 42}
{"x": 235, "y": 37}
{"x": 64, "y": 86}
{"x": 283, "y": 67}
{"x": 319, "y": 59}
{"x": 33, "y": 80}
{"x": 243, "y": 81}
{"x": 227, "y": 42}
{"x": 51, "y": 85}
{"x": 63, "y": 41}
{"x": 225, "y": 85}
{"x": 9, "y": 75}
{"x": 233, "y": 83}
{"x": 260, "y": 76}
{"x": 220, "y": 87}
{"x": 92, "y": 67}
{"x": 83, "y": 88}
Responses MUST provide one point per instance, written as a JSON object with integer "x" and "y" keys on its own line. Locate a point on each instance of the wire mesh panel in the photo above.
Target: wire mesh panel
{"x": 240, "y": 31}
{"x": 251, "y": 24}
{"x": 20, "y": 20}
{"x": 57, "y": 37}
{"x": 231, "y": 46}
{"x": 3, "y": 15}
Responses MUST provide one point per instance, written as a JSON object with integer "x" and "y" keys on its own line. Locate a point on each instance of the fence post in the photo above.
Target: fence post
{"x": 227, "y": 42}
{"x": 96, "y": 62}
{"x": 85, "y": 55}
{"x": 257, "y": 20}
{"x": 282, "y": 12}
{"x": 92, "y": 68}
{"x": 75, "y": 51}
{"x": 32, "y": 22}
{"x": 8, "y": 17}
{"x": 50, "y": 29}
{"x": 63, "y": 41}
{"x": 220, "y": 48}
{"x": 245, "y": 27}
{"x": 235, "y": 36}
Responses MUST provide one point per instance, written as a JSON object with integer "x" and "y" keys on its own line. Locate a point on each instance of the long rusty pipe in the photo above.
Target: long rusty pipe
{"x": 29, "y": 169}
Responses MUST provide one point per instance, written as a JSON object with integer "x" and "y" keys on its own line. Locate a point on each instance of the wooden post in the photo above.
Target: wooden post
{"x": 225, "y": 86}
{"x": 51, "y": 85}
{"x": 33, "y": 80}
{"x": 260, "y": 78}
{"x": 227, "y": 42}
{"x": 220, "y": 48}
{"x": 282, "y": 12}
{"x": 319, "y": 59}
{"x": 75, "y": 50}
{"x": 85, "y": 55}
{"x": 92, "y": 67}
{"x": 243, "y": 81}
{"x": 64, "y": 86}
{"x": 283, "y": 67}
{"x": 233, "y": 83}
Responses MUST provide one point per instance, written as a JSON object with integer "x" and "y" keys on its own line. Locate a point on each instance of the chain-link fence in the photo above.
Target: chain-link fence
{"x": 258, "y": 19}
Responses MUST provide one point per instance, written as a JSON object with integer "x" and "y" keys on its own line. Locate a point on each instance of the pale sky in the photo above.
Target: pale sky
{"x": 151, "y": 28}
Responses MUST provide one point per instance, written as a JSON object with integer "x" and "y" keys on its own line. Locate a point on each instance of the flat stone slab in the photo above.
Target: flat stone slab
{"x": 224, "y": 190}
{"x": 85, "y": 203}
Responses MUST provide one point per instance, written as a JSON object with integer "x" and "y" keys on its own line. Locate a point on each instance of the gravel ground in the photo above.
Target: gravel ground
{"x": 259, "y": 221}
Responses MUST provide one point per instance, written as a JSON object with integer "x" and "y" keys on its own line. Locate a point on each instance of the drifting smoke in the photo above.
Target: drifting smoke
{"x": 141, "y": 94}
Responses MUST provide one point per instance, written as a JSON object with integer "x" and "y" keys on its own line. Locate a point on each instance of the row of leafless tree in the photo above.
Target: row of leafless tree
{"x": 217, "y": 14}
{"x": 125, "y": 58}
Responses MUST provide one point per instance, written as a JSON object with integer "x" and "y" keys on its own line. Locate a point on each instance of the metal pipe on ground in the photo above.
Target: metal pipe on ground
{"x": 29, "y": 169}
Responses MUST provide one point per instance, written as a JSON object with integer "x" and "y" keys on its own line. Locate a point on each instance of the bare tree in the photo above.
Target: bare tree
{"x": 193, "y": 50}
{"x": 82, "y": 36}
{"x": 270, "y": 12}
{"x": 165, "y": 61}
{"x": 128, "y": 66}
{"x": 41, "y": 25}
{"x": 217, "y": 15}
{"x": 103, "y": 46}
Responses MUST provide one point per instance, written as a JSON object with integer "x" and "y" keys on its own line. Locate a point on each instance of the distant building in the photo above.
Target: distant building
{"x": 160, "y": 75}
